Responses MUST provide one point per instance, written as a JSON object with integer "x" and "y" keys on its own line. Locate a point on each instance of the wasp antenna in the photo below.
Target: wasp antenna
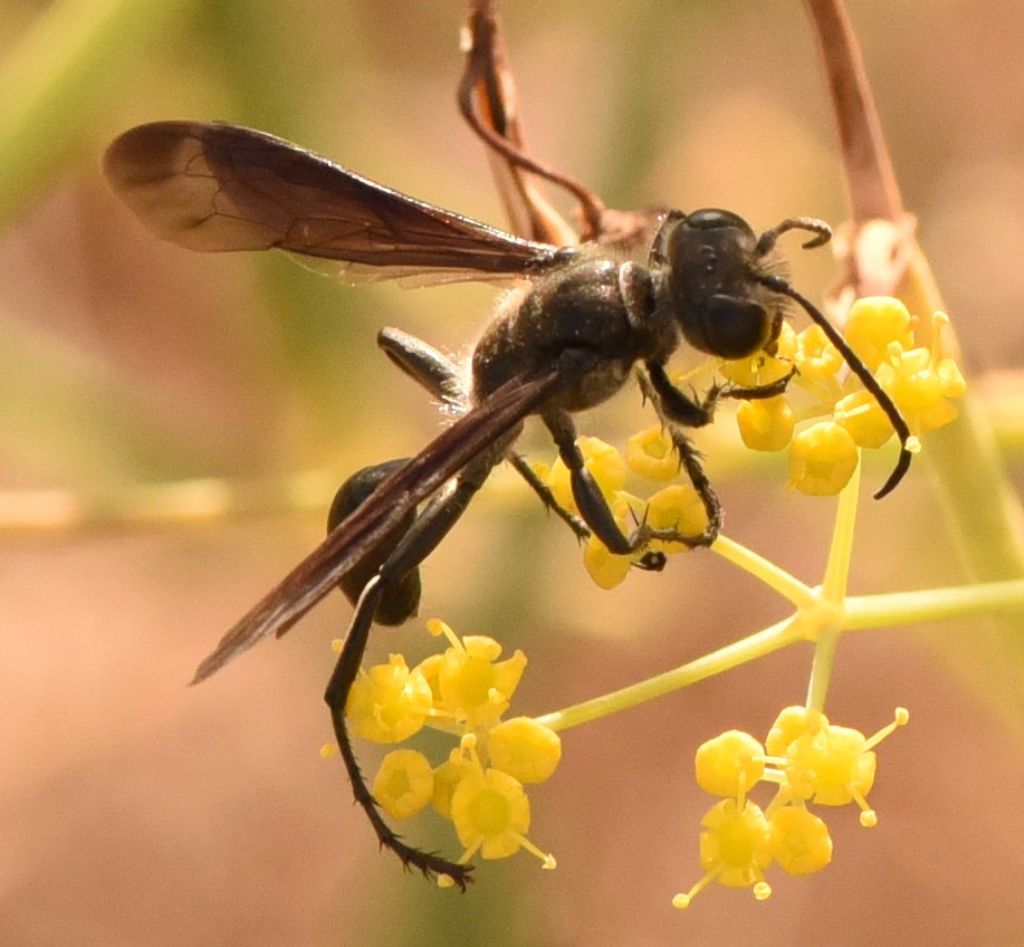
{"x": 779, "y": 285}
{"x": 822, "y": 233}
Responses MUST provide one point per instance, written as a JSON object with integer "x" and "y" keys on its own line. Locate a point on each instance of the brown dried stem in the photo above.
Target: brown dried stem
{"x": 487, "y": 100}
{"x": 882, "y": 257}
{"x": 870, "y": 179}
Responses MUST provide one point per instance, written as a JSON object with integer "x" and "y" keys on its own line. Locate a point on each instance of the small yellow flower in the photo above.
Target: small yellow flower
{"x": 816, "y": 358}
{"x": 446, "y": 777}
{"x": 792, "y": 723}
{"x": 766, "y": 424}
{"x": 922, "y": 387}
{"x": 404, "y": 783}
{"x": 388, "y": 703}
{"x": 836, "y": 765}
{"x": 680, "y": 508}
{"x": 430, "y": 668}
{"x": 735, "y": 843}
{"x": 874, "y": 323}
{"x": 525, "y": 749}
{"x": 730, "y": 764}
{"x": 651, "y": 454}
{"x": 861, "y": 416}
{"x": 822, "y": 458}
{"x": 491, "y": 814}
{"x": 735, "y": 848}
{"x": 603, "y": 566}
{"x": 833, "y": 768}
{"x": 800, "y": 841}
{"x": 473, "y": 686}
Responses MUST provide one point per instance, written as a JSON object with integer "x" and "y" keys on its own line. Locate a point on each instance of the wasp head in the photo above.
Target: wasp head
{"x": 708, "y": 258}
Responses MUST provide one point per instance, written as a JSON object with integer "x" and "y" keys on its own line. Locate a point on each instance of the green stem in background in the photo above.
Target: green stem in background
{"x": 903, "y": 608}
{"x": 67, "y": 63}
{"x": 60, "y": 513}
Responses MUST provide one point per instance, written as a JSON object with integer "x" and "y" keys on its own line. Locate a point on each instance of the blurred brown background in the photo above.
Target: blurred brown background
{"x": 134, "y": 810}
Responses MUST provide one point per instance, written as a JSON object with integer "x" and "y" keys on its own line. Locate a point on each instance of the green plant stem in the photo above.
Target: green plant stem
{"x": 821, "y": 667}
{"x": 840, "y": 552}
{"x": 775, "y": 577}
{"x": 860, "y": 613}
{"x": 830, "y": 618}
{"x": 902, "y": 608}
{"x": 754, "y": 646}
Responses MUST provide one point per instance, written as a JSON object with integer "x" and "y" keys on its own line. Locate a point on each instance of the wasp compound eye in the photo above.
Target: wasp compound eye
{"x": 734, "y": 328}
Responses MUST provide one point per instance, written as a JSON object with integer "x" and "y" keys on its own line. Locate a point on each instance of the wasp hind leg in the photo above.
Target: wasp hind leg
{"x": 414, "y": 544}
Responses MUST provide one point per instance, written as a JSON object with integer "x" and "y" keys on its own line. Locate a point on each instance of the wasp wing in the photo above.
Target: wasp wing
{"x": 218, "y": 187}
{"x": 405, "y": 489}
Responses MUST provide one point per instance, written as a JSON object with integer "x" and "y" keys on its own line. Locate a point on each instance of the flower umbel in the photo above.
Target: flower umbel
{"x": 807, "y": 760}
{"x": 921, "y": 382}
{"x": 491, "y": 812}
{"x": 651, "y": 456}
{"x": 464, "y": 689}
{"x": 389, "y": 703}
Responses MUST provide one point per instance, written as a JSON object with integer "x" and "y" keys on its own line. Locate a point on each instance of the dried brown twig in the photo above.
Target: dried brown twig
{"x": 487, "y": 100}
{"x": 882, "y": 257}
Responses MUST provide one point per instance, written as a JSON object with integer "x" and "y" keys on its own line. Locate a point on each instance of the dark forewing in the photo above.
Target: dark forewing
{"x": 441, "y": 459}
{"x": 221, "y": 187}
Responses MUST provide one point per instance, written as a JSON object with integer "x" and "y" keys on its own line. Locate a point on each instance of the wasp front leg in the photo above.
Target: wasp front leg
{"x": 678, "y": 407}
{"x": 677, "y": 410}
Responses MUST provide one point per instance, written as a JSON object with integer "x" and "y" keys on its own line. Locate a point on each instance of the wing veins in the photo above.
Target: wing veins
{"x": 219, "y": 187}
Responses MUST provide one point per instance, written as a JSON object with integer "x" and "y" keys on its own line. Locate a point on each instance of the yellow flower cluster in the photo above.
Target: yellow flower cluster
{"x": 465, "y": 690}
{"x": 651, "y": 456}
{"x": 824, "y": 454}
{"x": 810, "y": 761}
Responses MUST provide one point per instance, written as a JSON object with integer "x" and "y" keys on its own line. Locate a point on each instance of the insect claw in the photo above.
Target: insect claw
{"x": 652, "y": 561}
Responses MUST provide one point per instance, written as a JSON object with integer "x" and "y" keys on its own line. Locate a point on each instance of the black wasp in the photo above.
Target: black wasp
{"x": 570, "y": 341}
